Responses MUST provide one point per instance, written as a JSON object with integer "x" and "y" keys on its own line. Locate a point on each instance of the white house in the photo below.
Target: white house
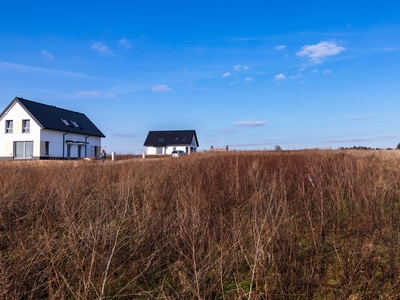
{"x": 164, "y": 142}
{"x": 34, "y": 130}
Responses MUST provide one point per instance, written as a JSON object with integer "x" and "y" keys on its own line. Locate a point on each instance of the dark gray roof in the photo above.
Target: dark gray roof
{"x": 55, "y": 118}
{"x": 170, "y": 137}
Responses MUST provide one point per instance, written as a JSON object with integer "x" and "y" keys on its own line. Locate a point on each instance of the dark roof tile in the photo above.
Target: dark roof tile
{"x": 55, "y": 118}
{"x": 170, "y": 137}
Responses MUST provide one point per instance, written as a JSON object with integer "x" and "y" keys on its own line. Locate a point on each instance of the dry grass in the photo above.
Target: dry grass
{"x": 237, "y": 225}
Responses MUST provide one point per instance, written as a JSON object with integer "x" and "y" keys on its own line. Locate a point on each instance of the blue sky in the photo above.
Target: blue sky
{"x": 248, "y": 74}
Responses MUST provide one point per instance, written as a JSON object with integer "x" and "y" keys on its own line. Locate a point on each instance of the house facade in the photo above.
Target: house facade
{"x": 164, "y": 142}
{"x": 34, "y": 130}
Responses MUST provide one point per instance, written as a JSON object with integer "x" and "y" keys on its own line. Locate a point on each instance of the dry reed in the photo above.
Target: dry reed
{"x": 238, "y": 225}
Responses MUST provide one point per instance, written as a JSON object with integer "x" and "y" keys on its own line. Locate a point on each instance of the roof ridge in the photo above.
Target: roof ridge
{"x": 48, "y": 105}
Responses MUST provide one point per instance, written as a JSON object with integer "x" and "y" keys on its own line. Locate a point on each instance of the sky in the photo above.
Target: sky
{"x": 249, "y": 74}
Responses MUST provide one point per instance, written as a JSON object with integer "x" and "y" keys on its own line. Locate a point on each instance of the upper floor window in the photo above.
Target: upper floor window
{"x": 161, "y": 140}
{"x": 26, "y": 126}
{"x": 9, "y": 126}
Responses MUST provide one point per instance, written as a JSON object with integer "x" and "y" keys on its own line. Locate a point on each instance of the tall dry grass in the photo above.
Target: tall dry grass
{"x": 239, "y": 225}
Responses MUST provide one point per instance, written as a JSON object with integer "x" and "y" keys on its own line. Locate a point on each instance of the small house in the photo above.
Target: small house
{"x": 164, "y": 142}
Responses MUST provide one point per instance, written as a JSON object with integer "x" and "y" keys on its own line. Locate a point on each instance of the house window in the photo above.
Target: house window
{"x": 184, "y": 139}
{"x": 161, "y": 140}
{"x": 23, "y": 149}
{"x": 176, "y": 139}
{"x": 75, "y": 124}
{"x": 66, "y": 122}
{"x": 46, "y": 148}
{"x": 26, "y": 126}
{"x": 9, "y": 126}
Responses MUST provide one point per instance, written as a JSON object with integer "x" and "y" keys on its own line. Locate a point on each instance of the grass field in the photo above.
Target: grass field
{"x": 314, "y": 224}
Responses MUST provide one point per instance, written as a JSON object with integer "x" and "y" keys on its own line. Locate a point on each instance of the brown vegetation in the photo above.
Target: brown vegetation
{"x": 237, "y": 225}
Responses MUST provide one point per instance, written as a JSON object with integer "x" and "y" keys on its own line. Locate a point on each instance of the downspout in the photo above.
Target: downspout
{"x": 64, "y": 144}
{"x": 86, "y": 145}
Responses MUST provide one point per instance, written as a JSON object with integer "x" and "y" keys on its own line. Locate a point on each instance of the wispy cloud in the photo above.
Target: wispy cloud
{"x": 124, "y": 42}
{"x": 280, "y": 76}
{"x": 317, "y": 52}
{"x": 161, "y": 88}
{"x": 126, "y": 135}
{"x": 46, "y": 54}
{"x": 251, "y": 123}
{"x": 227, "y": 74}
{"x": 91, "y": 94}
{"x": 37, "y": 70}
{"x": 281, "y": 47}
{"x": 239, "y": 68}
{"x": 361, "y": 117}
{"x": 101, "y": 49}
{"x": 248, "y": 79}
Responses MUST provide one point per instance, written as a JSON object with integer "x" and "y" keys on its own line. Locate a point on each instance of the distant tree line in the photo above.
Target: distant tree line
{"x": 368, "y": 148}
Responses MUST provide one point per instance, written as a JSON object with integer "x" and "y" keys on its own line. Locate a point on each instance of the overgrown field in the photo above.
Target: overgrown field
{"x": 238, "y": 225}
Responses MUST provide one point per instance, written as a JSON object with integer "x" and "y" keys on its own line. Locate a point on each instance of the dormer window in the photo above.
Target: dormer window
{"x": 26, "y": 126}
{"x": 75, "y": 124}
{"x": 66, "y": 122}
{"x": 184, "y": 139}
{"x": 176, "y": 139}
{"x": 161, "y": 140}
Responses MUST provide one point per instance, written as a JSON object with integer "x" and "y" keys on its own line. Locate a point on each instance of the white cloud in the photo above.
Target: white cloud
{"x": 227, "y": 74}
{"x": 280, "y": 76}
{"x": 281, "y": 47}
{"x": 237, "y": 67}
{"x": 47, "y": 54}
{"x": 325, "y": 72}
{"x": 227, "y": 129}
{"x": 101, "y": 49}
{"x": 87, "y": 94}
{"x": 361, "y": 117}
{"x": 251, "y": 123}
{"x": 161, "y": 88}
{"x": 124, "y": 42}
{"x": 249, "y": 79}
{"x": 316, "y": 53}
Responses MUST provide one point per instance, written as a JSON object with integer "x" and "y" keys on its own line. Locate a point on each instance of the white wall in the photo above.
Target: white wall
{"x": 17, "y": 114}
{"x": 58, "y": 147}
{"x": 166, "y": 150}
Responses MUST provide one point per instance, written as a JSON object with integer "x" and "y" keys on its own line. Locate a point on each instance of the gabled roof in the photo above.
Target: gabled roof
{"x": 55, "y": 118}
{"x": 170, "y": 137}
